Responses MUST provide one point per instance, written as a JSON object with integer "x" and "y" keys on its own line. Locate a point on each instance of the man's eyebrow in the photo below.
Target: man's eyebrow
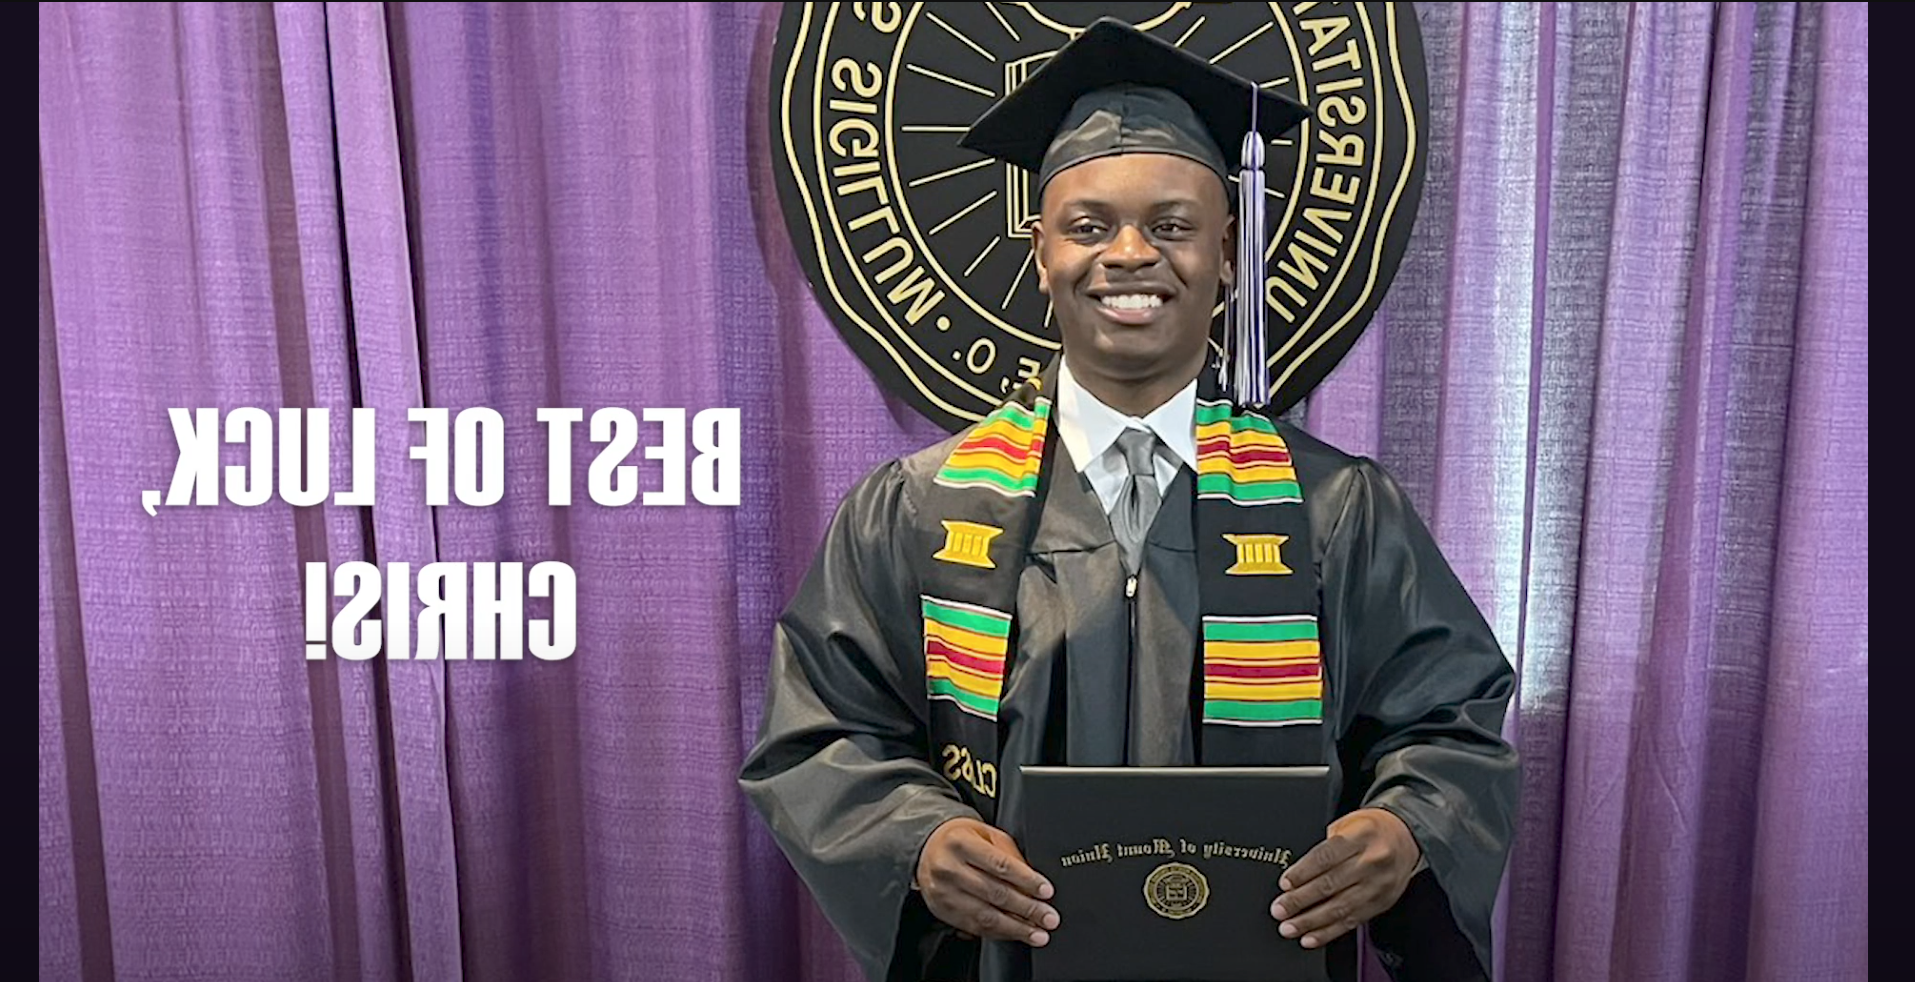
{"x": 1095, "y": 204}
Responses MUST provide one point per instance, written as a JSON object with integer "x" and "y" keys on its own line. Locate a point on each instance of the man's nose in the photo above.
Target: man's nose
{"x": 1130, "y": 250}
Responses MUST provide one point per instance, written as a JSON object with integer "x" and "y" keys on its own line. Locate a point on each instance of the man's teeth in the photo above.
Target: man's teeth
{"x": 1133, "y": 301}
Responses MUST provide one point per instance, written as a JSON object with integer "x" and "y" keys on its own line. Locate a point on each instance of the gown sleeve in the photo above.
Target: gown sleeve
{"x": 842, "y": 771}
{"x": 1425, "y": 691}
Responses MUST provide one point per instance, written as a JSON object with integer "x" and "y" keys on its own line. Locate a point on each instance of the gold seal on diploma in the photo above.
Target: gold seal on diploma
{"x": 1176, "y": 890}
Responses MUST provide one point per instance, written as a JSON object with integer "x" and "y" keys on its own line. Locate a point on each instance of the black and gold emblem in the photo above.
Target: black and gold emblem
{"x": 920, "y": 250}
{"x": 1176, "y": 890}
{"x": 968, "y": 544}
{"x": 1258, "y": 555}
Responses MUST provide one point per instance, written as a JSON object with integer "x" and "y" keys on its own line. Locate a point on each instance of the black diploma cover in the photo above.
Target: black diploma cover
{"x": 1167, "y": 874}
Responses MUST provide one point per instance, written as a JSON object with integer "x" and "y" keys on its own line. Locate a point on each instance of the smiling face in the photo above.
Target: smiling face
{"x": 1130, "y": 249}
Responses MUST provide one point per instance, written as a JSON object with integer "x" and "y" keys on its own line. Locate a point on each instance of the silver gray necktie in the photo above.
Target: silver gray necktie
{"x": 1137, "y": 502}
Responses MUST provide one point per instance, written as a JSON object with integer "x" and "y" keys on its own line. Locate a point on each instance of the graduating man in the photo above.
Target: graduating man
{"x": 1125, "y": 565}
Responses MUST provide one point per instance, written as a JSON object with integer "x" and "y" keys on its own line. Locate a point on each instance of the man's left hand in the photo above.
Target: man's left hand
{"x": 1356, "y": 873}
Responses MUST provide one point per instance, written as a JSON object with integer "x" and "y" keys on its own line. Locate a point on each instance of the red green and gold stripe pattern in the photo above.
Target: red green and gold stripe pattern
{"x": 964, "y": 649}
{"x": 1262, "y": 671}
{"x": 1003, "y": 452}
{"x": 1241, "y": 459}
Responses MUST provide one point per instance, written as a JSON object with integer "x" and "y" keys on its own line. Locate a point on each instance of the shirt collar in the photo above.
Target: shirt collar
{"x": 1088, "y": 427}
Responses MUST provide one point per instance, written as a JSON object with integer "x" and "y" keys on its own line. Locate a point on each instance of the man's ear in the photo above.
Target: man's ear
{"x": 1228, "y": 269}
{"x": 1037, "y": 256}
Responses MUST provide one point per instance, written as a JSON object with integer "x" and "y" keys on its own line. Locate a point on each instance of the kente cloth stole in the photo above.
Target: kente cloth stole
{"x": 1262, "y": 664}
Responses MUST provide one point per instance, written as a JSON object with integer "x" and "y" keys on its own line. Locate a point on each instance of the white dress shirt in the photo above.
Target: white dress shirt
{"x": 1089, "y": 429}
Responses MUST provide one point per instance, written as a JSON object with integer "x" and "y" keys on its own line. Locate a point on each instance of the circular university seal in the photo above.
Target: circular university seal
{"x": 920, "y": 251}
{"x": 1176, "y": 891}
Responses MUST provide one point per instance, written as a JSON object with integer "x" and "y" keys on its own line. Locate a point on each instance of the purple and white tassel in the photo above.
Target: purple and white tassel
{"x": 1247, "y": 355}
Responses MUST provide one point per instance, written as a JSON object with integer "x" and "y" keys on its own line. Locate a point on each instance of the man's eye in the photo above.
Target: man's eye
{"x": 1085, "y": 227}
{"x": 1171, "y": 228}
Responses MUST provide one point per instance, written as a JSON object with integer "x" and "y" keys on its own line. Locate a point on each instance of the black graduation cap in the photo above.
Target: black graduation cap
{"x": 1114, "y": 90}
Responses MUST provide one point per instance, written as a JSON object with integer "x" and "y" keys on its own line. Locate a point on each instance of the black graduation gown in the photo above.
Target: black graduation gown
{"x": 844, "y": 772}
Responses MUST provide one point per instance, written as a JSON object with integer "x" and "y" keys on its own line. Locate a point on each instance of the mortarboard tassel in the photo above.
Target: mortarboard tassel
{"x": 1246, "y": 356}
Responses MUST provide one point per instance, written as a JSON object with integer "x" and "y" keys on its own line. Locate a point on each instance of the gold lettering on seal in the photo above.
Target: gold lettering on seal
{"x": 855, "y": 141}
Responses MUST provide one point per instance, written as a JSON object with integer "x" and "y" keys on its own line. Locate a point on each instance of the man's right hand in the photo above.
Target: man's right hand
{"x": 974, "y": 879}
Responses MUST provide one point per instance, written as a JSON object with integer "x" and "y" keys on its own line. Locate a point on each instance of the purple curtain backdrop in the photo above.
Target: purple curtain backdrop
{"x": 1622, "y": 372}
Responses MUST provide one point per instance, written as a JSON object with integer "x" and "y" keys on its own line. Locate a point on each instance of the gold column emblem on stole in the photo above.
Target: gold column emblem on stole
{"x": 1259, "y": 555}
{"x": 968, "y": 544}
